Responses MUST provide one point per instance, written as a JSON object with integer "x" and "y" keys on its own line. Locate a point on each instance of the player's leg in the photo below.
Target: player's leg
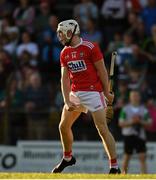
{"x": 66, "y": 135}
{"x": 129, "y": 146}
{"x": 67, "y": 120}
{"x": 142, "y": 159}
{"x": 141, "y": 150}
{"x": 107, "y": 138}
{"x": 125, "y": 163}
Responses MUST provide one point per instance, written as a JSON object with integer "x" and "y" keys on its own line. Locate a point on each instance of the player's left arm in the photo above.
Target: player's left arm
{"x": 103, "y": 75}
{"x": 98, "y": 60}
{"x": 146, "y": 122}
{"x": 102, "y": 72}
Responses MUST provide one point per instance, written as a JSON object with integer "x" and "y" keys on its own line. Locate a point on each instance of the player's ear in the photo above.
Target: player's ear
{"x": 69, "y": 33}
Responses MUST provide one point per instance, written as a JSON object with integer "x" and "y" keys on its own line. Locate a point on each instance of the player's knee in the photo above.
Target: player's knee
{"x": 63, "y": 127}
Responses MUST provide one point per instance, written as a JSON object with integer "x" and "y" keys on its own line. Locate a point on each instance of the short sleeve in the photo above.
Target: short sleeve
{"x": 62, "y": 60}
{"x": 96, "y": 53}
{"x": 146, "y": 115}
{"x": 122, "y": 115}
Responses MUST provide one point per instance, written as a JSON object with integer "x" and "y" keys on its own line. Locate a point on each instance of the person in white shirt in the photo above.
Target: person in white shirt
{"x": 133, "y": 120}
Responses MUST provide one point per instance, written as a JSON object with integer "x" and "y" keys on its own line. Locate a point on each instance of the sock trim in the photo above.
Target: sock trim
{"x": 67, "y": 154}
{"x": 113, "y": 163}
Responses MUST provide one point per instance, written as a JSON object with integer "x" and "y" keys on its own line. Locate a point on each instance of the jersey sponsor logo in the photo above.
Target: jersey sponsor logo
{"x": 77, "y": 66}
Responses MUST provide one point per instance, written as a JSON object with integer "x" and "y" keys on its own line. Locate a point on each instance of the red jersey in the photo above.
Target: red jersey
{"x": 80, "y": 63}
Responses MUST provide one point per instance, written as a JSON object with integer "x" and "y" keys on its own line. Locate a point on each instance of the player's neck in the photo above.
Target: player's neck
{"x": 135, "y": 104}
{"x": 75, "y": 41}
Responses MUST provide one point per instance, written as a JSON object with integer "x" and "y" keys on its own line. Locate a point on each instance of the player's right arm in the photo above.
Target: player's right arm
{"x": 65, "y": 84}
{"x": 122, "y": 120}
{"x": 102, "y": 72}
{"x": 65, "y": 87}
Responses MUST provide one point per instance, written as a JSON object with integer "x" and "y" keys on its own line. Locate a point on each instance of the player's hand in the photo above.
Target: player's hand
{"x": 109, "y": 98}
{"x": 70, "y": 106}
{"x": 136, "y": 119}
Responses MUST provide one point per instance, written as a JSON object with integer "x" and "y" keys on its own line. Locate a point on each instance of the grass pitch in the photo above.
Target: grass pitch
{"x": 74, "y": 176}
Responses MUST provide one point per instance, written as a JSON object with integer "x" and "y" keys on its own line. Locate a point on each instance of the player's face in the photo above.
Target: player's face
{"x": 61, "y": 37}
{"x": 135, "y": 97}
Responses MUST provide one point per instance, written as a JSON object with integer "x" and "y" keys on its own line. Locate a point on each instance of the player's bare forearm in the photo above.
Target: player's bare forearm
{"x": 65, "y": 84}
{"x": 125, "y": 124}
{"x": 65, "y": 90}
{"x": 102, "y": 72}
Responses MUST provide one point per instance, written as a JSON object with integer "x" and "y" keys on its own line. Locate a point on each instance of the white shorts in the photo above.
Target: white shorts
{"x": 88, "y": 100}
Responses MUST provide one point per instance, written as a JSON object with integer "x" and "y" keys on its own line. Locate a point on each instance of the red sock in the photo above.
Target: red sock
{"x": 113, "y": 163}
{"x": 67, "y": 155}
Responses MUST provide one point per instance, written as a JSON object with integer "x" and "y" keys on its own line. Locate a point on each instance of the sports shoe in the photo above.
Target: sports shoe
{"x": 114, "y": 171}
{"x": 63, "y": 164}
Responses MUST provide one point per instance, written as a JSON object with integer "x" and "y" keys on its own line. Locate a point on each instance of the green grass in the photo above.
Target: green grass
{"x": 73, "y": 176}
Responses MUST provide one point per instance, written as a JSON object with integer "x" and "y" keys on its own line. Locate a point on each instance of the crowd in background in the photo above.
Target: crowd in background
{"x": 30, "y": 95}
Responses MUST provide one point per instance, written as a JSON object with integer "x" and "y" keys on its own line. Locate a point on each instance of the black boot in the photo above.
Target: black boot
{"x": 63, "y": 164}
{"x": 114, "y": 171}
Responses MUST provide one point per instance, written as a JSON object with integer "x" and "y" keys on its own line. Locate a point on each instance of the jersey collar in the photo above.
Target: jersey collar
{"x": 77, "y": 44}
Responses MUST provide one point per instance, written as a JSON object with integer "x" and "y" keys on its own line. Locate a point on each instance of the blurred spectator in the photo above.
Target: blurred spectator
{"x": 24, "y": 74}
{"x": 146, "y": 91}
{"x": 5, "y": 8}
{"x": 148, "y": 15}
{"x": 29, "y": 46}
{"x": 27, "y": 59}
{"x": 136, "y": 78}
{"x": 152, "y": 111}
{"x": 50, "y": 47}
{"x": 41, "y": 21}
{"x": 6, "y": 45}
{"x": 140, "y": 58}
{"x": 125, "y": 53}
{"x": 138, "y": 32}
{"x": 132, "y": 21}
{"x": 17, "y": 120}
{"x": 113, "y": 9}
{"x": 8, "y": 24}
{"x": 143, "y": 3}
{"x": 36, "y": 103}
{"x": 122, "y": 94}
{"x": 12, "y": 34}
{"x": 150, "y": 48}
{"x": 84, "y": 10}
{"x": 6, "y": 67}
{"x": 11, "y": 101}
{"x": 115, "y": 44}
{"x": 24, "y": 16}
{"x": 150, "y": 44}
{"x": 92, "y": 33}
{"x": 134, "y": 5}
{"x": 134, "y": 118}
{"x": 14, "y": 94}
{"x": 113, "y": 17}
